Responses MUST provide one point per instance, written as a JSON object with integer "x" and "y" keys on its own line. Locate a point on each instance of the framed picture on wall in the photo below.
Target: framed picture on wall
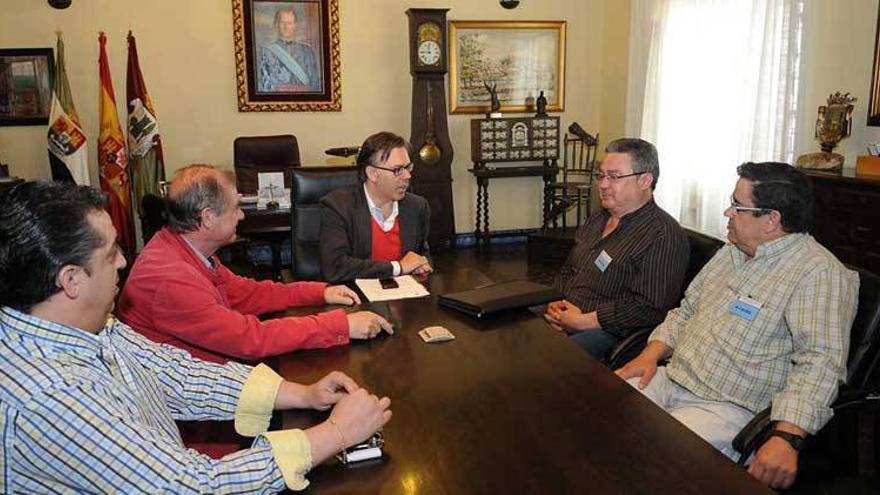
{"x": 519, "y": 59}
{"x": 26, "y": 76}
{"x": 287, "y": 55}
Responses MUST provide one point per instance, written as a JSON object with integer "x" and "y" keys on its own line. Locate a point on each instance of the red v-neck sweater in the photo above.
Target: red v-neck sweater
{"x": 386, "y": 246}
{"x": 171, "y": 297}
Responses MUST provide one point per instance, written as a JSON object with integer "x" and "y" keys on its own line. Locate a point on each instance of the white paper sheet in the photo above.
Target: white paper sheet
{"x": 407, "y": 288}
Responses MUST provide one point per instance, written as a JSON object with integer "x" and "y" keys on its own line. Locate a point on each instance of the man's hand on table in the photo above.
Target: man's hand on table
{"x": 366, "y": 325}
{"x": 413, "y": 263}
{"x": 354, "y": 419}
{"x": 340, "y": 294}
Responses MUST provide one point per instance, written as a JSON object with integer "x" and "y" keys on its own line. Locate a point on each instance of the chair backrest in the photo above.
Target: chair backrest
{"x": 255, "y": 154}
{"x": 703, "y": 247}
{"x": 579, "y": 156}
{"x": 308, "y": 186}
{"x": 862, "y": 367}
{"x": 155, "y": 215}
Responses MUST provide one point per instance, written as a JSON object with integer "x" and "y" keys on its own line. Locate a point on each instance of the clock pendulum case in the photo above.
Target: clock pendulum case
{"x": 432, "y": 149}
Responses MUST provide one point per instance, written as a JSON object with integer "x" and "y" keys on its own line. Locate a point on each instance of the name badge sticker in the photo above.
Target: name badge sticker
{"x": 745, "y": 307}
{"x": 602, "y": 261}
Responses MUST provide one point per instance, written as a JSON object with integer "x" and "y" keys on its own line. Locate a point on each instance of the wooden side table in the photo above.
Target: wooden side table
{"x": 512, "y": 139}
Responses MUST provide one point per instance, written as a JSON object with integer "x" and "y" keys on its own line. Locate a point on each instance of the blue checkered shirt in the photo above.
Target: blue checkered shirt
{"x": 95, "y": 413}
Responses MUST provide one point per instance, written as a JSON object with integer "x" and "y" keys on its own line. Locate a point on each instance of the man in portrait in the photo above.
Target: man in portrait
{"x": 286, "y": 64}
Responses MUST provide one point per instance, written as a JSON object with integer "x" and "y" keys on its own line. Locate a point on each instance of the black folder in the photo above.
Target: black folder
{"x": 499, "y": 297}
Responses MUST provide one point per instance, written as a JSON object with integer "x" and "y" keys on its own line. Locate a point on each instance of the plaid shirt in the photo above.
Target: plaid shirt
{"x": 791, "y": 355}
{"x": 95, "y": 413}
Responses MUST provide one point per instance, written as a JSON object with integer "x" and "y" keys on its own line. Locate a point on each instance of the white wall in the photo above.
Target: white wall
{"x": 186, "y": 54}
{"x": 838, "y": 53}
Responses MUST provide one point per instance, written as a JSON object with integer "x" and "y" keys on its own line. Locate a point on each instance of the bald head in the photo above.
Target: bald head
{"x": 193, "y": 189}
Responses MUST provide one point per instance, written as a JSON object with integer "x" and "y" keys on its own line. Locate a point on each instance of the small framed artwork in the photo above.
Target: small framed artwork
{"x": 516, "y": 59}
{"x": 26, "y": 77}
{"x": 287, "y": 55}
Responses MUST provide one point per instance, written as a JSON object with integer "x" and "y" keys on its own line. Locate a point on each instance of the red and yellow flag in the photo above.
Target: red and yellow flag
{"x": 112, "y": 160}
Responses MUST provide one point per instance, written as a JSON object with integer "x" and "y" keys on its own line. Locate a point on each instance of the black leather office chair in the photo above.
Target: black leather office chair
{"x": 308, "y": 186}
{"x": 857, "y": 403}
{"x": 255, "y": 154}
{"x": 155, "y": 215}
{"x": 703, "y": 248}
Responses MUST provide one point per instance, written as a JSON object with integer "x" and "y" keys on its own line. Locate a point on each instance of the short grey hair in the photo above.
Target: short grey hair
{"x": 193, "y": 189}
{"x": 642, "y": 153}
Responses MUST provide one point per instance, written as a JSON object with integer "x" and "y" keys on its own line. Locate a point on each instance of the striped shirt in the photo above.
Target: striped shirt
{"x": 81, "y": 412}
{"x": 649, "y": 255}
{"x": 791, "y": 354}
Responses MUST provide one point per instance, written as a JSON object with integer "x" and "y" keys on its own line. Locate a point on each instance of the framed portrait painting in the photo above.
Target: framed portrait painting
{"x": 287, "y": 55}
{"x": 26, "y": 77}
{"x": 517, "y": 59}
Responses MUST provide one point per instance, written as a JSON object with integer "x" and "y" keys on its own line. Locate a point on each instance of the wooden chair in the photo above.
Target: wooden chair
{"x": 573, "y": 192}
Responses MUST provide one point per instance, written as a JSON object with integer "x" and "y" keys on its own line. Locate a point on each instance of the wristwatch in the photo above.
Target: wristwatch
{"x": 796, "y": 441}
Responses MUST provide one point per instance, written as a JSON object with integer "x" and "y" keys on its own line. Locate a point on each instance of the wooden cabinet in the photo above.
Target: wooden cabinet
{"x": 847, "y": 217}
{"x": 512, "y": 139}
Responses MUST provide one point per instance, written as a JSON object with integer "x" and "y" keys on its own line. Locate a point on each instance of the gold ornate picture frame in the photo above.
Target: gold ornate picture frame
{"x": 874, "y": 100}
{"x": 287, "y": 56}
{"x": 519, "y": 58}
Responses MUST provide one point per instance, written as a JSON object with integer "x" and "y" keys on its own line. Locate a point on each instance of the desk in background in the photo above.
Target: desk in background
{"x": 269, "y": 226}
{"x": 510, "y": 406}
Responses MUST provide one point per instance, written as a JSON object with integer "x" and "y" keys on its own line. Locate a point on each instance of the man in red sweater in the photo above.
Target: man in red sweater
{"x": 179, "y": 293}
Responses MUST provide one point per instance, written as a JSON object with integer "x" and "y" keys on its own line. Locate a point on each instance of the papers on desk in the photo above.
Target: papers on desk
{"x": 407, "y": 288}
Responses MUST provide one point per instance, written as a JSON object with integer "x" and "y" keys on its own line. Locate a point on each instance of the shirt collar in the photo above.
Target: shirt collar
{"x": 54, "y": 335}
{"x": 207, "y": 261}
{"x": 643, "y": 210}
{"x": 773, "y": 248}
{"x": 376, "y": 212}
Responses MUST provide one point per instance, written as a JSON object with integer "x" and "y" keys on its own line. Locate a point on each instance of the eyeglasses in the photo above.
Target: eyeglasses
{"x": 614, "y": 176}
{"x": 396, "y": 170}
{"x": 736, "y": 207}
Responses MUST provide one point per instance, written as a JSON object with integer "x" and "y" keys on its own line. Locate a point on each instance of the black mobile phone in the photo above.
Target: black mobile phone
{"x": 388, "y": 283}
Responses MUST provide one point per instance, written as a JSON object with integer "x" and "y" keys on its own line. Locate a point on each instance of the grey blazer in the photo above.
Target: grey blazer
{"x": 347, "y": 235}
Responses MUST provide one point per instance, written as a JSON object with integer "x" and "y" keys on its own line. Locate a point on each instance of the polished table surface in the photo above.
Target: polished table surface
{"x": 510, "y": 406}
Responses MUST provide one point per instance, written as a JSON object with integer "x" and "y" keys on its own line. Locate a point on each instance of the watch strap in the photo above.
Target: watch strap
{"x": 796, "y": 441}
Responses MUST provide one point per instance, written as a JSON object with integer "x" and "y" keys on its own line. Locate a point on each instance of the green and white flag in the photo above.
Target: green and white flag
{"x": 68, "y": 157}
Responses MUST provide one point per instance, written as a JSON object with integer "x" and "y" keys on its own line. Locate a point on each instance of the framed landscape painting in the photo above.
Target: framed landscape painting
{"x": 287, "y": 55}
{"x": 519, "y": 59}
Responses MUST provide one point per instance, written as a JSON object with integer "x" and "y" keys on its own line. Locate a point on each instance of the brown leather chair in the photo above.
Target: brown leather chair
{"x": 308, "y": 186}
{"x": 255, "y": 154}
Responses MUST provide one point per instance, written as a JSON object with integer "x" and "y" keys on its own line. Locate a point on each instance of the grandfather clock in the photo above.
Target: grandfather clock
{"x": 432, "y": 149}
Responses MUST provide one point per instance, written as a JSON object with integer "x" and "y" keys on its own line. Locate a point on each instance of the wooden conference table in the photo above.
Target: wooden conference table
{"x": 510, "y": 406}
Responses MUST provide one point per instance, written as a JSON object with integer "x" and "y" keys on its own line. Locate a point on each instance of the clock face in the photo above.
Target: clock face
{"x": 429, "y": 52}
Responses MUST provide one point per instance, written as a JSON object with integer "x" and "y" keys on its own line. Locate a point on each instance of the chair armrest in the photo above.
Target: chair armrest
{"x": 752, "y": 436}
{"x": 628, "y": 348}
{"x": 758, "y": 430}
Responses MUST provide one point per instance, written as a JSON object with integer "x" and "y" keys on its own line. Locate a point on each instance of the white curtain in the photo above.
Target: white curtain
{"x": 713, "y": 84}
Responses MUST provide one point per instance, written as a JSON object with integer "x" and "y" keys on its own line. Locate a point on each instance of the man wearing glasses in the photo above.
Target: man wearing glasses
{"x": 377, "y": 229}
{"x": 628, "y": 264}
{"x": 765, "y": 323}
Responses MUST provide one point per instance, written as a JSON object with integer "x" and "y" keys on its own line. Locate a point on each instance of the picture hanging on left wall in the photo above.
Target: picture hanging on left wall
{"x": 26, "y": 76}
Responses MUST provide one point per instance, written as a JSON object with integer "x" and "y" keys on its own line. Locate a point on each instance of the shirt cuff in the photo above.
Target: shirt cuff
{"x": 293, "y": 454}
{"x": 395, "y": 268}
{"x": 256, "y": 401}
